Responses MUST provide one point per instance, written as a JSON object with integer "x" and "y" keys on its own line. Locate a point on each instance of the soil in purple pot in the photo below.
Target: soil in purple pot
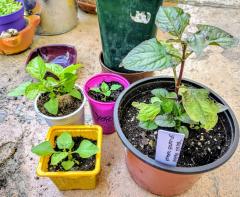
{"x": 200, "y": 148}
{"x": 87, "y": 164}
{"x": 114, "y": 94}
{"x": 67, "y": 104}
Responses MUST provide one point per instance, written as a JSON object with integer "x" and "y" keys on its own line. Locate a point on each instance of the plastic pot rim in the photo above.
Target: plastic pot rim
{"x": 103, "y": 74}
{"x": 61, "y": 117}
{"x": 170, "y": 169}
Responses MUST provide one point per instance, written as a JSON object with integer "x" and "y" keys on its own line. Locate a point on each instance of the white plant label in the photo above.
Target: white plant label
{"x": 141, "y": 17}
{"x": 169, "y": 145}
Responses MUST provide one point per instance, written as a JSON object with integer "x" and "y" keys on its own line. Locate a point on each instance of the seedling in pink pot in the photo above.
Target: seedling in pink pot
{"x": 102, "y": 90}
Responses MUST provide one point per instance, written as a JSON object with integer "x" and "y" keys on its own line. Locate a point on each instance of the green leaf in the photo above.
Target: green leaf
{"x": 72, "y": 69}
{"x": 155, "y": 100}
{"x": 108, "y": 93}
{"x": 87, "y": 149}
{"x": 221, "y": 107}
{"x": 184, "y": 130}
{"x": 54, "y": 69}
{"x": 97, "y": 90}
{"x": 58, "y": 157}
{"x": 199, "y": 107}
{"x": 197, "y": 43}
{"x": 160, "y": 92}
{"x": 68, "y": 81}
{"x": 37, "y": 68}
{"x": 20, "y": 90}
{"x": 165, "y": 121}
{"x": 217, "y": 36}
{"x": 171, "y": 95}
{"x": 67, "y": 165}
{"x": 185, "y": 119}
{"x": 147, "y": 112}
{"x": 172, "y": 20}
{"x": 75, "y": 93}
{"x": 115, "y": 87}
{"x": 151, "y": 55}
{"x": 167, "y": 105}
{"x": 52, "y": 106}
{"x": 104, "y": 87}
{"x": 33, "y": 90}
{"x": 43, "y": 149}
{"x": 51, "y": 82}
{"x": 64, "y": 141}
{"x": 148, "y": 125}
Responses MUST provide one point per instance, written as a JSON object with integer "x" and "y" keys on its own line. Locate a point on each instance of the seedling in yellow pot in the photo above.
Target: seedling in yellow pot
{"x": 70, "y": 156}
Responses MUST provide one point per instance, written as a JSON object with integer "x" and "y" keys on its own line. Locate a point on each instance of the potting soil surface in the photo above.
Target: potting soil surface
{"x": 21, "y": 128}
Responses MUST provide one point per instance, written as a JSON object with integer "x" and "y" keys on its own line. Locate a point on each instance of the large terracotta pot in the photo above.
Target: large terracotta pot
{"x": 154, "y": 176}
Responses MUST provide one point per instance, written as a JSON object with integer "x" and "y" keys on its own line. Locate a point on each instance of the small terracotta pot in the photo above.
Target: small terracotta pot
{"x": 87, "y": 7}
{"x": 23, "y": 40}
{"x": 131, "y": 77}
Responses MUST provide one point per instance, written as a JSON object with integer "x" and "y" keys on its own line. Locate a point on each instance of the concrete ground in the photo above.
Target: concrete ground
{"x": 21, "y": 128}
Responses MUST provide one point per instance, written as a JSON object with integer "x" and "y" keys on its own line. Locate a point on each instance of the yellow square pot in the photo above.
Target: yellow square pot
{"x": 73, "y": 179}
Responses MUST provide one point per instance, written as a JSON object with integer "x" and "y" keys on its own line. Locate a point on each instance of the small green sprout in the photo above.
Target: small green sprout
{"x": 65, "y": 143}
{"x": 9, "y": 6}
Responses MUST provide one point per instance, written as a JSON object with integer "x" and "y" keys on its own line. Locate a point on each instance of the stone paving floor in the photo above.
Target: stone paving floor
{"x": 20, "y": 128}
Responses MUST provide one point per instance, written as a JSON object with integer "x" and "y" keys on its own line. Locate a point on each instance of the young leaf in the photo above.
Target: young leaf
{"x": 217, "y": 36}
{"x": 185, "y": 118}
{"x": 67, "y": 165}
{"x": 199, "y": 107}
{"x": 68, "y": 81}
{"x": 64, "y": 141}
{"x": 160, "y": 92}
{"x": 115, "y": 87}
{"x": 58, "y": 157}
{"x": 171, "y": 95}
{"x": 104, "y": 87}
{"x": 147, "y": 112}
{"x": 172, "y": 20}
{"x": 151, "y": 55}
{"x": 165, "y": 121}
{"x": 54, "y": 69}
{"x": 43, "y": 149}
{"x": 97, "y": 90}
{"x": 72, "y": 69}
{"x": 87, "y": 149}
{"x": 184, "y": 130}
{"x": 167, "y": 105}
{"x": 108, "y": 93}
{"x": 221, "y": 107}
{"x": 75, "y": 93}
{"x": 156, "y": 100}
{"x": 51, "y": 82}
{"x": 20, "y": 90}
{"x": 33, "y": 90}
{"x": 148, "y": 125}
{"x": 52, "y": 106}
{"x": 37, "y": 68}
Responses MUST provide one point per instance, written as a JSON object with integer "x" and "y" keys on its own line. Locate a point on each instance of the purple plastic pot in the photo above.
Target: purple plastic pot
{"x": 102, "y": 112}
{"x": 63, "y": 55}
{"x": 15, "y": 20}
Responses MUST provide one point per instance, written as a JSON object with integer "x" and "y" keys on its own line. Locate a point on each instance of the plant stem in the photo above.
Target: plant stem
{"x": 184, "y": 49}
{"x": 175, "y": 75}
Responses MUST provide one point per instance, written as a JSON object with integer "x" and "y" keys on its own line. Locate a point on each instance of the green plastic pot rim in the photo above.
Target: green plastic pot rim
{"x": 61, "y": 117}
{"x": 178, "y": 170}
{"x": 116, "y": 72}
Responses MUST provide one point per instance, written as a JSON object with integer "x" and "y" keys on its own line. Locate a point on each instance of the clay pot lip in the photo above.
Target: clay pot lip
{"x": 67, "y": 46}
{"x": 13, "y": 15}
{"x": 61, "y": 117}
{"x": 125, "y": 85}
{"x": 117, "y": 72}
{"x": 178, "y": 170}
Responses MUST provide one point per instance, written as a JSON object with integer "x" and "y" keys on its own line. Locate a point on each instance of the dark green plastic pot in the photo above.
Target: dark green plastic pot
{"x": 121, "y": 30}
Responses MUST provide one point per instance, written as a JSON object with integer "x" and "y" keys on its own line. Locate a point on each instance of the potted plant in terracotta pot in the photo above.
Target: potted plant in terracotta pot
{"x": 176, "y": 106}
{"x": 102, "y": 90}
{"x": 71, "y": 156}
{"x": 58, "y": 99}
{"x": 133, "y": 23}
{"x": 12, "y": 15}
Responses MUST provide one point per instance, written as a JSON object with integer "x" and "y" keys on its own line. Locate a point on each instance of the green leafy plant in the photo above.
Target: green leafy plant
{"x": 186, "y": 105}
{"x": 65, "y": 143}
{"x": 106, "y": 90}
{"x": 52, "y": 79}
{"x": 9, "y": 7}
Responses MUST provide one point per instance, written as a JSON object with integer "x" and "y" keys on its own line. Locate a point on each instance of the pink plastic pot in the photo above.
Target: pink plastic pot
{"x": 102, "y": 112}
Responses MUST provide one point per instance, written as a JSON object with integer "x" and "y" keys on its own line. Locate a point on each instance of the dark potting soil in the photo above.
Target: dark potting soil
{"x": 200, "y": 148}
{"x": 87, "y": 164}
{"x": 67, "y": 105}
{"x": 114, "y": 94}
